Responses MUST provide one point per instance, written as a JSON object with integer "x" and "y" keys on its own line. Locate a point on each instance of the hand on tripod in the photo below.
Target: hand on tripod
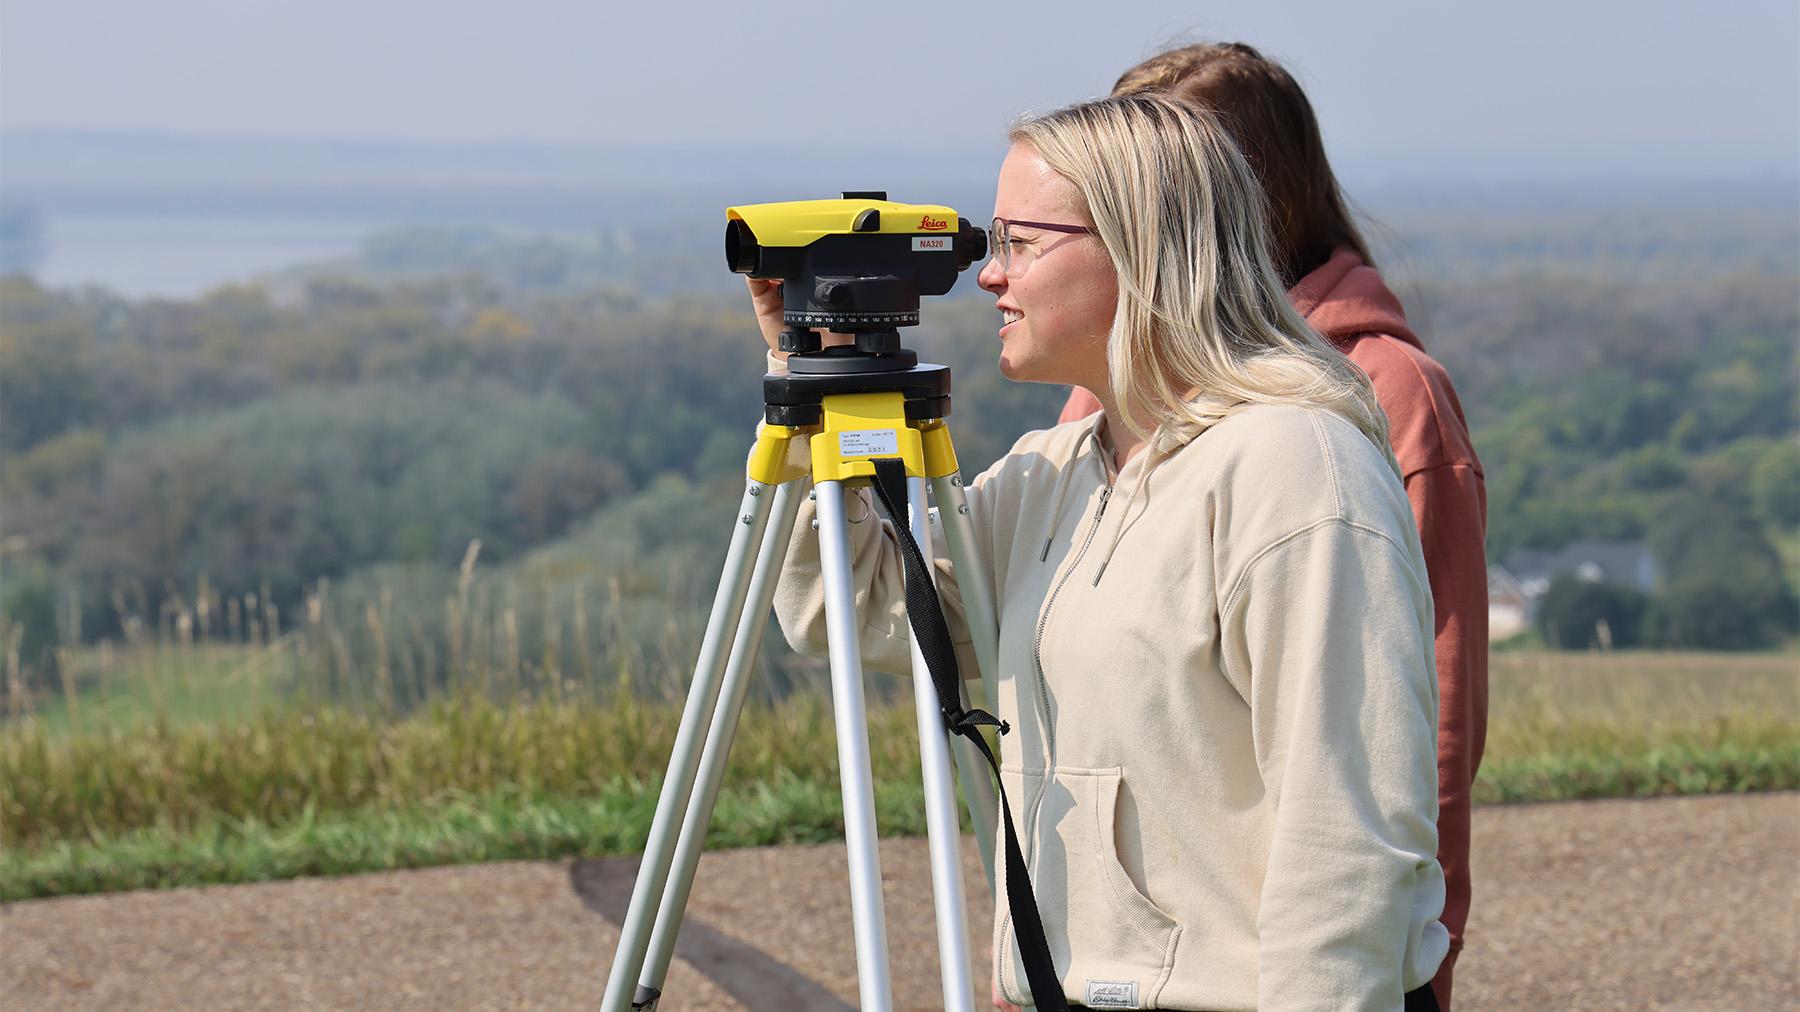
{"x": 765, "y": 296}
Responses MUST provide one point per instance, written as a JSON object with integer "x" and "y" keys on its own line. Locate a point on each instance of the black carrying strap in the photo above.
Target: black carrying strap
{"x": 932, "y": 634}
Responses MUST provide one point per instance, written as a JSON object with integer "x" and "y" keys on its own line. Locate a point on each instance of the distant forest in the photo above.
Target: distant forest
{"x": 573, "y": 406}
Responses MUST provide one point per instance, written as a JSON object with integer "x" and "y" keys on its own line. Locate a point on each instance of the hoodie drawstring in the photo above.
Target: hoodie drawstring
{"x": 1062, "y": 493}
{"x": 1162, "y": 446}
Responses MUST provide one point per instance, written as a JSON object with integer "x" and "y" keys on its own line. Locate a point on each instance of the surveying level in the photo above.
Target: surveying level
{"x": 848, "y": 417}
{"x": 857, "y": 265}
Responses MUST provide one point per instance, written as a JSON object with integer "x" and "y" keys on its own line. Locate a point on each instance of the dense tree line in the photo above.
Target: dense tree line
{"x": 265, "y": 444}
{"x": 1592, "y": 402}
{"x": 268, "y": 438}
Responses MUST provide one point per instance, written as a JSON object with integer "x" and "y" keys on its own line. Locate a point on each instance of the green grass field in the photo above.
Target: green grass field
{"x": 191, "y": 790}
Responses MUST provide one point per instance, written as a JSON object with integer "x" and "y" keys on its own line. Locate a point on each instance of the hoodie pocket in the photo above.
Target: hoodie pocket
{"x": 1113, "y": 946}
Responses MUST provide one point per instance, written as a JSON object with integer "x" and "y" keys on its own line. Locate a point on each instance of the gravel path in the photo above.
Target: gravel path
{"x": 1687, "y": 903}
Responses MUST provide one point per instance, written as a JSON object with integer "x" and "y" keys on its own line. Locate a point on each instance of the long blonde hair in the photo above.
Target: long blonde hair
{"x": 1203, "y": 328}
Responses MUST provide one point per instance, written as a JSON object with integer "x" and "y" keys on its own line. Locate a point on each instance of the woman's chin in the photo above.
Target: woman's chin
{"x": 1026, "y": 372}
{"x": 1010, "y": 369}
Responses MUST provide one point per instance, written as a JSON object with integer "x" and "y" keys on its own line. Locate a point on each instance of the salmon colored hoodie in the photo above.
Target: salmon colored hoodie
{"x": 1347, "y": 301}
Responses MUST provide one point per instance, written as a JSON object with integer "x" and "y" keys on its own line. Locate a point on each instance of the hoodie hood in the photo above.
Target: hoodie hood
{"x": 1345, "y": 298}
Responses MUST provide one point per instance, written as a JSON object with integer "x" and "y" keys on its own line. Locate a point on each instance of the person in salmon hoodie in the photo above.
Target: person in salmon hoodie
{"x": 1333, "y": 282}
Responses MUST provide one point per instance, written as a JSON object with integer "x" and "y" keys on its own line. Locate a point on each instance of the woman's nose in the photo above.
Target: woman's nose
{"x": 992, "y": 278}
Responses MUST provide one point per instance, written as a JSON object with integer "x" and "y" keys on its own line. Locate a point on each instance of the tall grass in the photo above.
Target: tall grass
{"x": 290, "y": 764}
{"x": 228, "y": 746}
{"x": 384, "y": 642}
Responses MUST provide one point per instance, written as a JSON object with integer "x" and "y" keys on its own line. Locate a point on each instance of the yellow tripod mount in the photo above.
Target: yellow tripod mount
{"x": 857, "y": 429}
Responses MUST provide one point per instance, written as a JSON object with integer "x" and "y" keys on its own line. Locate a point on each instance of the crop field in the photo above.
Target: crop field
{"x": 1592, "y": 725}
{"x": 174, "y": 765}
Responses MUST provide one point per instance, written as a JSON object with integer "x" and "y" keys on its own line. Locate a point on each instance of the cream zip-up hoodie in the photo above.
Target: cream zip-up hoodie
{"x": 1218, "y": 670}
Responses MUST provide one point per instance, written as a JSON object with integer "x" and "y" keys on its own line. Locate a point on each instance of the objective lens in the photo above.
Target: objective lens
{"x": 742, "y": 252}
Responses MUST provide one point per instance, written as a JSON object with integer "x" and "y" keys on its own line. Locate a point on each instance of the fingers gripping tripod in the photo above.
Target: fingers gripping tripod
{"x": 852, "y": 410}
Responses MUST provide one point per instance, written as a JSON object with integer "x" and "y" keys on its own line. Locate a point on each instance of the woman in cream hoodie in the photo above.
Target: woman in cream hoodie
{"x": 1215, "y": 624}
{"x": 1333, "y": 282}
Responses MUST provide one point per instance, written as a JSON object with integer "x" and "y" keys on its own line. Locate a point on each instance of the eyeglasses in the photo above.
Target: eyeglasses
{"x": 1015, "y": 255}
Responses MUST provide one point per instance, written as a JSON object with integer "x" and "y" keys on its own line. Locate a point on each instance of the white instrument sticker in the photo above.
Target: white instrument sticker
{"x": 869, "y": 443}
{"x": 932, "y": 243}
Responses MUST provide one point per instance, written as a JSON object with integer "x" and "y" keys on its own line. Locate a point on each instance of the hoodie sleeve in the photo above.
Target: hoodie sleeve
{"x": 1327, "y": 633}
{"x": 1445, "y": 488}
{"x": 1450, "y": 504}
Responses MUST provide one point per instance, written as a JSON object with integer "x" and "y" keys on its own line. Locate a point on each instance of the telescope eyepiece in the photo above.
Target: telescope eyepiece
{"x": 972, "y": 244}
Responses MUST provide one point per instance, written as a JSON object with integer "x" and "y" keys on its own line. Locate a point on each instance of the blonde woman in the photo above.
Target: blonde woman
{"x": 1215, "y": 624}
{"x": 1334, "y": 283}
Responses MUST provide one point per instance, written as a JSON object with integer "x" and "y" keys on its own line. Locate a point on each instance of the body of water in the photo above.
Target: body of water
{"x": 183, "y": 257}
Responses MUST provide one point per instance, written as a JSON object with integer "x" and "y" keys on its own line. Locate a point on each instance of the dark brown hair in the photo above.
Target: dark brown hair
{"x": 1261, "y": 105}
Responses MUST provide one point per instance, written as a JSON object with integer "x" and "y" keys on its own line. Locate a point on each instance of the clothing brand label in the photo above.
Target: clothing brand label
{"x": 930, "y": 224}
{"x": 931, "y": 242}
{"x": 1112, "y": 994}
{"x": 869, "y": 443}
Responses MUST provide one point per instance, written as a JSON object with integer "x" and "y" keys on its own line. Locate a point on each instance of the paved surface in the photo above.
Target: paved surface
{"x": 1689, "y": 903}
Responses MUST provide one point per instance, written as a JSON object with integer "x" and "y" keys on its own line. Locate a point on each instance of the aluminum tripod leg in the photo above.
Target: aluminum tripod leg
{"x": 703, "y": 694}
{"x": 971, "y": 579}
{"x": 849, "y": 713}
{"x": 984, "y": 632}
{"x": 941, "y": 825}
{"x": 764, "y": 576}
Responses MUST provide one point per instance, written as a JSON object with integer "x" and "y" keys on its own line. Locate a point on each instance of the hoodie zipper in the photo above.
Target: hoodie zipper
{"x": 1008, "y": 932}
{"x": 1037, "y": 646}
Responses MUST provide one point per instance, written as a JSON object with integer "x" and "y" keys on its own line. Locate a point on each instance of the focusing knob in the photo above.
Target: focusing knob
{"x": 799, "y": 339}
{"x": 835, "y": 294}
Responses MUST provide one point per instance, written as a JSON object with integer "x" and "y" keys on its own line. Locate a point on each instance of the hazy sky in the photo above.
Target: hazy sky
{"x": 1532, "y": 88}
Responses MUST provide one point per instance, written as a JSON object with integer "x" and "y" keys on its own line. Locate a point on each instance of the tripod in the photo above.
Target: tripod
{"x": 832, "y": 416}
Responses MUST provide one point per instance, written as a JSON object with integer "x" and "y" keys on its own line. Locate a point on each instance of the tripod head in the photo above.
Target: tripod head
{"x": 856, "y": 265}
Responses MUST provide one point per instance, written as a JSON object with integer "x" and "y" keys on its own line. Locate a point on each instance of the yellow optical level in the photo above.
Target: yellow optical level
{"x": 801, "y": 222}
{"x": 857, "y": 264}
